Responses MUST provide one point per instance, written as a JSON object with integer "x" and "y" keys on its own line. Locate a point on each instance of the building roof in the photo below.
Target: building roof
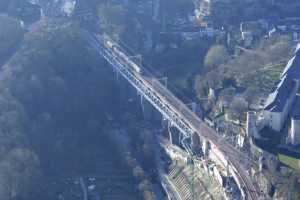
{"x": 277, "y": 99}
{"x": 292, "y": 69}
{"x": 297, "y": 48}
{"x": 279, "y": 96}
{"x": 250, "y": 26}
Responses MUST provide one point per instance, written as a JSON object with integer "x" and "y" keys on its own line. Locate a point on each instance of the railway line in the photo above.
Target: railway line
{"x": 173, "y": 109}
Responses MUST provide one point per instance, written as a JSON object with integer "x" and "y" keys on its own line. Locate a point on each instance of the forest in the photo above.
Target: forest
{"x": 55, "y": 94}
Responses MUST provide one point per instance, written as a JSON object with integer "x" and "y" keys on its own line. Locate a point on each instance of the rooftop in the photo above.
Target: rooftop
{"x": 279, "y": 96}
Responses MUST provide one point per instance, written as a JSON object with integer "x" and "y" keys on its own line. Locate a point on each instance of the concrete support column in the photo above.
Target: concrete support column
{"x": 206, "y": 147}
{"x": 142, "y": 105}
{"x": 173, "y": 134}
{"x": 116, "y": 73}
{"x": 170, "y": 132}
{"x": 145, "y": 106}
{"x": 195, "y": 142}
{"x": 180, "y": 136}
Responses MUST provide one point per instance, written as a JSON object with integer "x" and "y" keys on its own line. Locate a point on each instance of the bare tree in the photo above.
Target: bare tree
{"x": 146, "y": 187}
{"x": 138, "y": 173}
{"x": 19, "y": 174}
{"x": 10, "y": 33}
{"x": 250, "y": 95}
{"x": 238, "y": 107}
{"x": 216, "y": 56}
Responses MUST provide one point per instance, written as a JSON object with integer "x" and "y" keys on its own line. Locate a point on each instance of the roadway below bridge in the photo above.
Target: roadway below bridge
{"x": 173, "y": 109}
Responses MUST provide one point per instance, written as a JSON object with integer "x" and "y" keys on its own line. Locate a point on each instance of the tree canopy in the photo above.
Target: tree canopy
{"x": 216, "y": 56}
{"x": 11, "y": 33}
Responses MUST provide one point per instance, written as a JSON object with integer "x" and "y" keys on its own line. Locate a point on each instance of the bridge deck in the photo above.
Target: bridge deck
{"x": 174, "y": 110}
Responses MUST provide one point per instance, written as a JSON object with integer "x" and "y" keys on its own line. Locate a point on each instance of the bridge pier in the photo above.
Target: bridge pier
{"x": 116, "y": 74}
{"x": 170, "y": 132}
{"x": 164, "y": 122}
{"x": 206, "y": 148}
{"x": 141, "y": 103}
{"x": 196, "y": 143}
{"x": 173, "y": 109}
{"x": 149, "y": 113}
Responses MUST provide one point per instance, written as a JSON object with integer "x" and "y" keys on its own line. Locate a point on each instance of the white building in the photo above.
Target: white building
{"x": 294, "y": 136}
{"x": 249, "y": 31}
{"x": 294, "y": 132}
{"x": 281, "y": 101}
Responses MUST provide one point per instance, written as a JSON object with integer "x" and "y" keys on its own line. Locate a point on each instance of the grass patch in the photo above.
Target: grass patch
{"x": 290, "y": 161}
{"x": 264, "y": 79}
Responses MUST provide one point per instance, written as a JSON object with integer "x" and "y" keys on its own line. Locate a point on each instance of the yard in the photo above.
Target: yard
{"x": 290, "y": 161}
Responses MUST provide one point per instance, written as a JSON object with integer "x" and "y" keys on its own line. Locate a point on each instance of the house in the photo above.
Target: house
{"x": 272, "y": 32}
{"x": 288, "y": 26}
{"x": 294, "y": 132}
{"x": 248, "y": 38}
{"x": 250, "y": 30}
{"x": 203, "y": 10}
{"x": 281, "y": 100}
